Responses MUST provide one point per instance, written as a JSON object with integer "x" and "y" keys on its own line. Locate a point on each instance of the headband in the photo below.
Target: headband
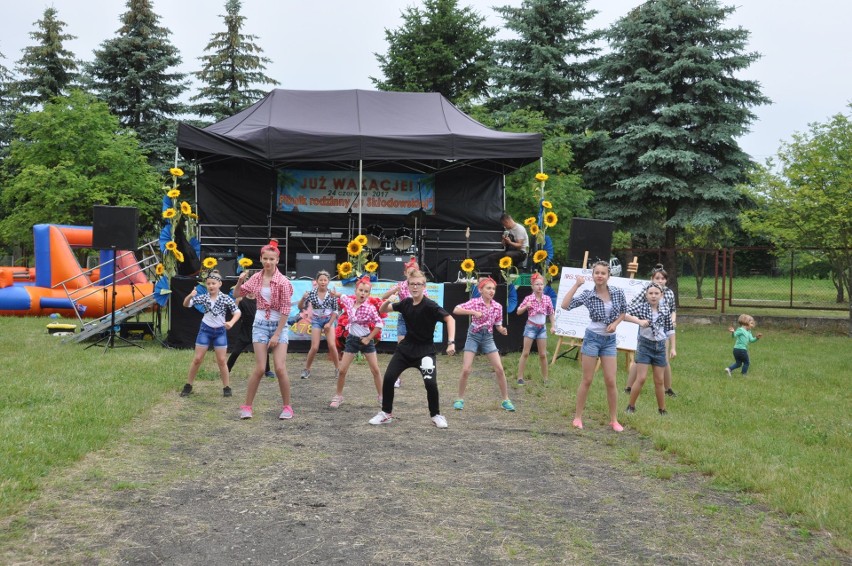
{"x": 365, "y": 281}
{"x": 485, "y": 280}
{"x": 214, "y": 276}
{"x": 536, "y": 276}
{"x": 411, "y": 263}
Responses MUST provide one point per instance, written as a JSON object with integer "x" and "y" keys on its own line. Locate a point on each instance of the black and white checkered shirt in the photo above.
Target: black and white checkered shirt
{"x": 667, "y": 304}
{"x": 659, "y": 328}
{"x": 597, "y": 311}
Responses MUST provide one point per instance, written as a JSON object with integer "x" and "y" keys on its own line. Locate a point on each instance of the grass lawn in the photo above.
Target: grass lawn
{"x": 783, "y": 432}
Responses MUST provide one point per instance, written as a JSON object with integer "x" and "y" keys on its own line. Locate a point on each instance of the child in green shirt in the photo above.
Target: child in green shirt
{"x": 742, "y": 338}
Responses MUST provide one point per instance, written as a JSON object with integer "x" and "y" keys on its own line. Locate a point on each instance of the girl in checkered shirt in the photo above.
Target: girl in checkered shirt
{"x": 485, "y": 314}
{"x": 362, "y": 314}
{"x": 607, "y": 307}
{"x": 540, "y": 309}
{"x": 324, "y": 306}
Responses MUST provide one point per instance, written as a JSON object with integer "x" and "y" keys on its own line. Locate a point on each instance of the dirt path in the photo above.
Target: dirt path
{"x": 192, "y": 484}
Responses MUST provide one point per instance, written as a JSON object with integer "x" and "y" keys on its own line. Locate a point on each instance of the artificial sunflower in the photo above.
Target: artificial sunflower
{"x": 209, "y": 262}
{"x": 553, "y": 270}
{"x": 541, "y": 177}
{"x": 354, "y": 247}
{"x": 174, "y": 193}
{"x": 245, "y": 262}
{"x": 185, "y": 208}
{"x": 361, "y": 239}
{"x": 171, "y": 246}
{"x": 539, "y": 256}
{"x": 178, "y": 255}
{"x": 344, "y": 269}
{"x": 505, "y": 262}
{"x": 534, "y": 229}
{"x": 547, "y": 204}
{"x": 176, "y": 172}
{"x": 468, "y": 265}
{"x": 550, "y": 219}
{"x": 169, "y": 213}
{"x": 530, "y": 221}
{"x": 159, "y": 269}
{"x": 371, "y": 267}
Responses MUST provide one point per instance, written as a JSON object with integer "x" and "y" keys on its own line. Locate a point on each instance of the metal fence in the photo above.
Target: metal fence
{"x": 796, "y": 278}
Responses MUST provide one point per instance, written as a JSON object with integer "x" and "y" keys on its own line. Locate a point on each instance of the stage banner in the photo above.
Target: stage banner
{"x": 573, "y": 323}
{"x": 337, "y": 191}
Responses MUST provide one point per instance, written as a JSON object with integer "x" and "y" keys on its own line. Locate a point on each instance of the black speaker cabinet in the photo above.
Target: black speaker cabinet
{"x": 593, "y": 236}
{"x": 392, "y": 266}
{"x": 307, "y": 265}
{"x": 115, "y": 227}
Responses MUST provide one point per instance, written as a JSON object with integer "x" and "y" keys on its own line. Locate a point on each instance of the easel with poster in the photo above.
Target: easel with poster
{"x": 571, "y": 325}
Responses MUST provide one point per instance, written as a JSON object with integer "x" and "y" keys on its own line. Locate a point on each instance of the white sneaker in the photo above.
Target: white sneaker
{"x": 398, "y": 383}
{"x": 728, "y": 371}
{"x": 382, "y": 418}
{"x": 440, "y": 421}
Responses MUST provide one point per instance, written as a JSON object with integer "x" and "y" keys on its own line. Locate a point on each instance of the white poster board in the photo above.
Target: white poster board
{"x": 572, "y": 324}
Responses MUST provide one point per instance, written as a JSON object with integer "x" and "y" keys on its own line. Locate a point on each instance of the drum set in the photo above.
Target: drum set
{"x": 400, "y": 241}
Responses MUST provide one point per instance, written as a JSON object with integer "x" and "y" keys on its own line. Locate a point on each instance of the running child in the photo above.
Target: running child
{"x": 213, "y": 331}
{"x": 656, "y": 328}
{"x": 401, "y": 289}
{"x": 541, "y": 310}
{"x": 324, "y": 307}
{"x": 486, "y": 314}
{"x": 274, "y": 294}
{"x": 607, "y": 307}
{"x": 417, "y": 350}
{"x": 742, "y": 338}
{"x": 361, "y": 314}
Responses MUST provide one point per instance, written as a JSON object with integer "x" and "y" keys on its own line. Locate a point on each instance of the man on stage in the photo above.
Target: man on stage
{"x": 516, "y": 244}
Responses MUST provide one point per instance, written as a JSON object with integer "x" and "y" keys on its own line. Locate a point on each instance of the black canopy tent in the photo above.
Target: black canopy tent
{"x": 240, "y": 157}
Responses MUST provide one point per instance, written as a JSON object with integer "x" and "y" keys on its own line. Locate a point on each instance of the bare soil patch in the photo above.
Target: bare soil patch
{"x": 192, "y": 484}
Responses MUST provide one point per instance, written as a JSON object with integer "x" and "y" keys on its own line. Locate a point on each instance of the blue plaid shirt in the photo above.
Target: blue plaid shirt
{"x": 595, "y": 304}
{"x": 659, "y": 328}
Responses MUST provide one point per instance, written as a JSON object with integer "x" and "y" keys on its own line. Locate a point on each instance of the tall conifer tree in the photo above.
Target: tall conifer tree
{"x": 47, "y": 69}
{"x": 233, "y": 65}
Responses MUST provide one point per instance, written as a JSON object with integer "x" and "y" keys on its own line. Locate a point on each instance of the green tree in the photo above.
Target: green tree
{"x": 233, "y": 65}
{"x": 546, "y": 67}
{"x": 672, "y": 109}
{"x": 442, "y": 48}
{"x": 47, "y": 69}
{"x": 9, "y": 106}
{"x": 809, "y": 202}
{"x": 131, "y": 74}
{"x": 68, "y": 157}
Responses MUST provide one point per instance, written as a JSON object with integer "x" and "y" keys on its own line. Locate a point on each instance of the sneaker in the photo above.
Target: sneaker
{"x": 577, "y": 423}
{"x": 398, "y": 383}
{"x": 306, "y": 373}
{"x": 226, "y": 392}
{"x": 245, "y": 412}
{"x": 507, "y": 405}
{"x": 440, "y": 421}
{"x": 286, "y": 413}
{"x": 670, "y": 393}
{"x": 627, "y": 389}
{"x": 269, "y": 374}
{"x": 728, "y": 371}
{"x": 616, "y": 427}
{"x": 381, "y": 418}
{"x": 630, "y": 409}
{"x": 187, "y": 389}
{"x": 662, "y": 412}
{"x": 336, "y": 401}
{"x": 520, "y": 381}
{"x": 459, "y": 404}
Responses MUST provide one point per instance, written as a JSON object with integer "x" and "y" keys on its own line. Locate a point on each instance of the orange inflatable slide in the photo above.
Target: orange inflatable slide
{"x": 42, "y": 290}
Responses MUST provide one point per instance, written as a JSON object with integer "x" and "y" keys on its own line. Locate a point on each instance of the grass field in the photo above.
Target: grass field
{"x": 761, "y": 290}
{"x": 784, "y": 433}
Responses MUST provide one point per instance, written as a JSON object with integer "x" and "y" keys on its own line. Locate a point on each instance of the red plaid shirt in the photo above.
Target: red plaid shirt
{"x": 365, "y": 315}
{"x": 282, "y": 293}
{"x": 492, "y": 314}
{"x": 543, "y": 306}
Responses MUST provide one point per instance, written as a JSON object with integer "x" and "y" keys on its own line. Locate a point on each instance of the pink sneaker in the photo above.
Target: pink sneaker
{"x": 336, "y": 401}
{"x": 616, "y": 427}
{"x": 577, "y": 423}
{"x": 245, "y": 411}
{"x": 286, "y": 413}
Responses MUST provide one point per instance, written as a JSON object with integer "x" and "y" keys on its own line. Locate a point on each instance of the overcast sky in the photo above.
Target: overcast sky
{"x": 805, "y": 67}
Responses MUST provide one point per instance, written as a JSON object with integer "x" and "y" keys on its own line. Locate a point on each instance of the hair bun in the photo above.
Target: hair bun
{"x": 273, "y": 243}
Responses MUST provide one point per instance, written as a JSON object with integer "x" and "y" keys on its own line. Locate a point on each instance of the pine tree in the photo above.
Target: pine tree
{"x": 547, "y": 66}
{"x": 47, "y": 69}
{"x": 672, "y": 110}
{"x": 8, "y": 108}
{"x": 234, "y": 64}
{"x": 131, "y": 74}
{"x": 441, "y": 49}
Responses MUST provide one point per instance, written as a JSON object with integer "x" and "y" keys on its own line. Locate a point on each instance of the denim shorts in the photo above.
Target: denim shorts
{"x": 481, "y": 342}
{"x": 598, "y": 345}
{"x": 319, "y": 321}
{"x": 263, "y": 330}
{"x": 401, "y": 329}
{"x": 354, "y": 345}
{"x": 209, "y": 336}
{"x": 535, "y": 331}
{"x": 651, "y": 352}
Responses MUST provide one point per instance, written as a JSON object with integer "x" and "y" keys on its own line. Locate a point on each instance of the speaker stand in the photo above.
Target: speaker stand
{"x": 109, "y": 341}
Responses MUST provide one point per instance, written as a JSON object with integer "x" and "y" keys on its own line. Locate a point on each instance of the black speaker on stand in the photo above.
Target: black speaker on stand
{"x": 593, "y": 236}
{"x": 114, "y": 228}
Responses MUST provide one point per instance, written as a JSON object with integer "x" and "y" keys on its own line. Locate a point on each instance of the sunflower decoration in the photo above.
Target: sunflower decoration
{"x": 507, "y": 269}
{"x": 546, "y": 217}
{"x": 169, "y": 213}
{"x": 535, "y": 230}
{"x": 468, "y": 267}
{"x": 530, "y": 221}
{"x": 359, "y": 257}
{"x": 540, "y": 257}
{"x": 208, "y": 265}
{"x": 371, "y": 267}
{"x": 344, "y": 269}
{"x": 552, "y": 272}
{"x": 178, "y": 217}
{"x": 361, "y": 239}
{"x": 159, "y": 269}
